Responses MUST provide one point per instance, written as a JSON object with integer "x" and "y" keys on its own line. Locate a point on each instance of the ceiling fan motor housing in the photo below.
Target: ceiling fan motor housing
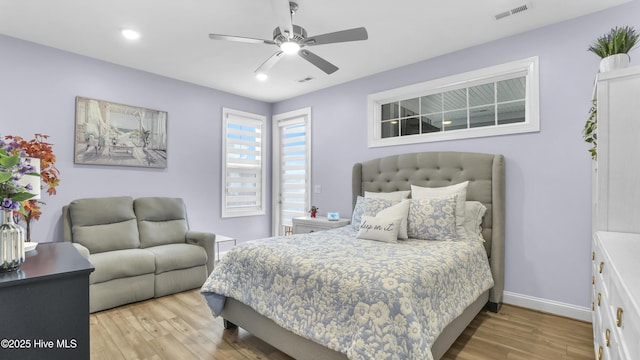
{"x": 299, "y": 34}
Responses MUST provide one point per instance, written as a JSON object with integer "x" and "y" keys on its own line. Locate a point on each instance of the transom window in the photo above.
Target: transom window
{"x": 493, "y": 101}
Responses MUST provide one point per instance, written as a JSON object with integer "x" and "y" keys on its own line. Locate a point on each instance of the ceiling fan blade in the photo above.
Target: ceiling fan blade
{"x": 268, "y": 64}
{"x": 283, "y": 10}
{"x": 319, "y": 62}
{"x": 240, "y": 39}
{"x": 338, "y": 36}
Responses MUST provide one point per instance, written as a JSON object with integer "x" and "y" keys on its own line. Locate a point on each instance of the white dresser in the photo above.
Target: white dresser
{"x": 616, "y": 295}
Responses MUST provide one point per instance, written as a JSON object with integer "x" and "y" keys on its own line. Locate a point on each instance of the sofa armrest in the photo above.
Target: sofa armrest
{"x": 82, "y": 250}
{"x": 207, "y": 241}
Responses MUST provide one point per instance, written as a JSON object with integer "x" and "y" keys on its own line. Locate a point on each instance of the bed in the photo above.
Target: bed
{"x": 485, "y": 176}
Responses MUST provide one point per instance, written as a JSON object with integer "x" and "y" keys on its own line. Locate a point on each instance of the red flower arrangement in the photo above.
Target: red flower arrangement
{"x": 38, "y": 147}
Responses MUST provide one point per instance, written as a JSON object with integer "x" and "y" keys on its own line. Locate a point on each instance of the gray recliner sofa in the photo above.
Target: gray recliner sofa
{"x": 140, "y": 248}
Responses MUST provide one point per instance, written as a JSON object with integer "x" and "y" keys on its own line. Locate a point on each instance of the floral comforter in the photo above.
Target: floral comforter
{"x": 366, "y": 299}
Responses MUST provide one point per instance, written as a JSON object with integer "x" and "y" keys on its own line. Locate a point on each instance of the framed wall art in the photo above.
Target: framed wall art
{"x": 123, "y": 135}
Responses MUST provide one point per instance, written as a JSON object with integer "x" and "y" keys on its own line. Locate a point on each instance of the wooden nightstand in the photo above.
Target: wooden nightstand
{"x": 304, "y": 225}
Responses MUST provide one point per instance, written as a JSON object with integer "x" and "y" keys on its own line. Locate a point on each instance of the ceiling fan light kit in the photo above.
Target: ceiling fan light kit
{"x": 289, "y": 47}
{"x": 292, "y": 39}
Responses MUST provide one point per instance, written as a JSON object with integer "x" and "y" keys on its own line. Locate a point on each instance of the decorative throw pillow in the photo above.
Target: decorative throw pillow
{"x": 367, "y": 206}
{"x": 419, "y": 192}
{"x": 379, "y": 228}
{"x": 393, "y": 196}
{"x": 473, "y": 213}
{"x": 401, "y": 211}
{"x": 432, "y": 219}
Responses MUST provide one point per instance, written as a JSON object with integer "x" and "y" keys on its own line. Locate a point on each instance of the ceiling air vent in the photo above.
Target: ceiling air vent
{"x": 502, "y": 15}
{"x": 519, "y": 9}
{"x": 308, "y": 78}
{"x": 515, "y": 10}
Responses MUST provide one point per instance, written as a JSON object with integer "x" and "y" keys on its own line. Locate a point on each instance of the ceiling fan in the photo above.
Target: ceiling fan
{"x": 293, "y": 39}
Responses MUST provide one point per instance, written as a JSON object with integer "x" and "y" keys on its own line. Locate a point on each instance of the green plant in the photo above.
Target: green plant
{"x": 618, "y": 41}
{"x": 590, "y": 130}
{"x": 14, "y": 164}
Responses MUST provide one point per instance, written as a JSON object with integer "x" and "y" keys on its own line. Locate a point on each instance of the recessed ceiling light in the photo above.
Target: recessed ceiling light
{"x": 261, "y": 76}
{"x": 447, "y": 122}
{"x": 130, "y": 34}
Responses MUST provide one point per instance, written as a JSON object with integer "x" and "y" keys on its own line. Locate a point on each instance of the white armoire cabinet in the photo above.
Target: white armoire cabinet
{"x": 616, "y": 218}
{"x": 617, "y": 182}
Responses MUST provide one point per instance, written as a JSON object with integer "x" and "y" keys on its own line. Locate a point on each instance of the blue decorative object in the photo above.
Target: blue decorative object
{"x": 333, "y": 216}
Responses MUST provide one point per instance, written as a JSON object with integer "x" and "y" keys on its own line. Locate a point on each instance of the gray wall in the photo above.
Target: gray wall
{"x": 37, "y": 95}
{"x": 548, "y": 173}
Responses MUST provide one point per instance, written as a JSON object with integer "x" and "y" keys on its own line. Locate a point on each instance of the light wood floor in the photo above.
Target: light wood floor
{"x": 181, "y": 326}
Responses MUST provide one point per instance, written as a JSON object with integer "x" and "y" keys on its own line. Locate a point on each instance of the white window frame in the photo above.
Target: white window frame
{"x": 249, "y": 119}
{"x": 527, "y": 67}
{"x": 277, "y": 121}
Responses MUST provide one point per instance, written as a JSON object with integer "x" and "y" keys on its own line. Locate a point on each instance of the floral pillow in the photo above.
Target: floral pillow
{"x": 432, "y": 219}
{"x": 367, "y": 206}
{"x": 418, "y": 192}
{"x": 379, "y": 228}
{"x": 401, "y": 211}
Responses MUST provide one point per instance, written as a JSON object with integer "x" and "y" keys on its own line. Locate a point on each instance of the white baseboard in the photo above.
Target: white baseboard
{"x": 548, "y": 306}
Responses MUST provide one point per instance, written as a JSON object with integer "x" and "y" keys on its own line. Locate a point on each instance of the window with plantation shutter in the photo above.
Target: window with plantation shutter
{"x": 291, "y": 166}
{"x": 243, "y": 178}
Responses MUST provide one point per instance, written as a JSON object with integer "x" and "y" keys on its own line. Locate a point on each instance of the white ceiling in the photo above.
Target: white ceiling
{"x": 174, "y": 38}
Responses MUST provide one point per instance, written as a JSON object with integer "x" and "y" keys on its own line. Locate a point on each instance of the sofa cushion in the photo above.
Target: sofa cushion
{"x": 104, "y": 224}
{"x": 161, "y": 220}
{"x": 120, "y": 264}
{"x": 177, "y": 256}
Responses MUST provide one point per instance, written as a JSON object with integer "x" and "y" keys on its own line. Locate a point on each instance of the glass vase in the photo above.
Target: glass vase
{"x": 11, "y": 243}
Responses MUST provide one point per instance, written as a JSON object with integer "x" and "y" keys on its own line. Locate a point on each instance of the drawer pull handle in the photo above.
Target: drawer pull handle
{"x": 600, "y": 353}
{"x": 599, "y": 296}
{"x": 593, "y": 307}
{"x": 593, "y": 280}
{"x": 593, "y": 255}
{"x": 619, "y": 317}
{"x": 601, "y": 266}
{"x": 607, "y": 337}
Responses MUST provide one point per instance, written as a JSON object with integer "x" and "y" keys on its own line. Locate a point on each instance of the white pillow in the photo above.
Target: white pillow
{"x": 473, "y": 213}
{"x": 419, "y": 192}
{"x": 379, "y": 228}
{"x": 393, "y": 196}
{"x": 432, "y": 219}
{"x": 401, "y": 211}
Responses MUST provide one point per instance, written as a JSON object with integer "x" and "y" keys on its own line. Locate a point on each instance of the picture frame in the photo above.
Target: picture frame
{"x": 108, "y": 133}
{"x": 333, "y": 216}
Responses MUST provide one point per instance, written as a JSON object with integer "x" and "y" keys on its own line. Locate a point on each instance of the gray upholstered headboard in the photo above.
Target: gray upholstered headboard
{"x": 485, "y": 173}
